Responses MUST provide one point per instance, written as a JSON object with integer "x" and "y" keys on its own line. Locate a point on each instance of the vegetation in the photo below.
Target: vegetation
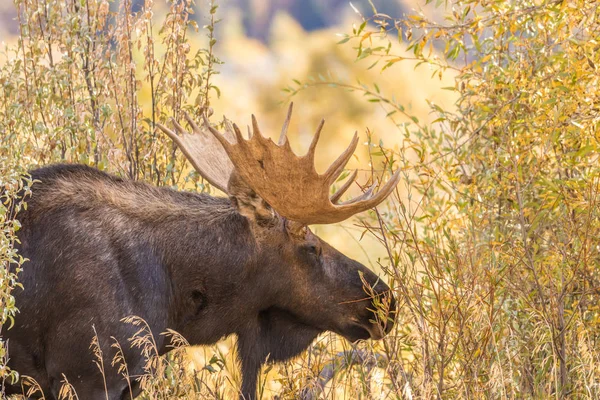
{"x": 15, "y": 186}
{"x": 494, "y": 250}
{"x": 490, "y": 244}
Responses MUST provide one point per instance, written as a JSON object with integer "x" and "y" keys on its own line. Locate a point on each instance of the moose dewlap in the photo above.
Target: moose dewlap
{"x": 102, "y": 248}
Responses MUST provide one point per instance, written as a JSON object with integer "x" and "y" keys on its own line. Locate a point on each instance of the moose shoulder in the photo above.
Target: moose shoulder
{"x": 102, "y": 248}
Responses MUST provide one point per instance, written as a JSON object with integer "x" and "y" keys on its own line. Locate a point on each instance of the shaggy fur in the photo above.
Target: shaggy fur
{"x": 102, "y": 248}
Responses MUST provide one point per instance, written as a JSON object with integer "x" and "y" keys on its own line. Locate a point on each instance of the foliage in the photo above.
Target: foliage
{"x": 14, "y": 188}
{"x": 494, "y": 248}
{"x": 72, "y": 85}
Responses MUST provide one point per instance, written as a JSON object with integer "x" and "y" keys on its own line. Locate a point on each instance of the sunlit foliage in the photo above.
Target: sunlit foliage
{"x": 494, "y": 251}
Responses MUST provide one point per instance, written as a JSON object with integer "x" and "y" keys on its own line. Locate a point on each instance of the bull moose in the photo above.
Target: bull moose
{"x": 102, "y": 248}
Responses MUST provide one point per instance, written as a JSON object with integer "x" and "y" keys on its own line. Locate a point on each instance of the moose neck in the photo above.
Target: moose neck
{"x": 212, "y": 260}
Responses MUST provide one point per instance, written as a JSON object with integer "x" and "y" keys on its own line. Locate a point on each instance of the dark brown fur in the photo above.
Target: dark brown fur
{"x": 102, "y": 248}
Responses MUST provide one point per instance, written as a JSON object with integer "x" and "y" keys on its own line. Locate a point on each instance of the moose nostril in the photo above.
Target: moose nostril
{"x": 385, "y": 294}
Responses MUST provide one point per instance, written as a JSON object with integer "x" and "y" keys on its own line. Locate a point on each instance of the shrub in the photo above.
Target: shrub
{"x": 493, "y": 249}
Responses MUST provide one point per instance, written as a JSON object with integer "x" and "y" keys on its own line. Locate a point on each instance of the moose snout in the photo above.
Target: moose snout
{"x": 383, "y": 310}
{"x": 374, "y": 318}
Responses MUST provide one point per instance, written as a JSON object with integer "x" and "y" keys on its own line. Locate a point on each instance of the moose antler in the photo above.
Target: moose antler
{"x": 204, "y": 152}
{"x": 289, "y": 183}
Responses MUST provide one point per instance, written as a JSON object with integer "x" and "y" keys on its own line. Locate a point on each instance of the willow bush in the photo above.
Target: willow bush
{"x": 76, "y": 83}
{"x": 494, "y": 248}
{"x": 14, "y": 187}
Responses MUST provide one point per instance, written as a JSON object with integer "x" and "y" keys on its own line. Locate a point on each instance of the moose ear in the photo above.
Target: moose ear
{"x": 248, "y": 203}
{"x": 296, "y": 229}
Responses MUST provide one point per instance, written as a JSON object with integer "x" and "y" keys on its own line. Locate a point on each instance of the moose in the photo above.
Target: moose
{"x": 102, "y": 248}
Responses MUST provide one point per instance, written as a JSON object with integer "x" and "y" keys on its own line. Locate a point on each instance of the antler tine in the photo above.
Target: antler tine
{"x": 286, "y": 124}
{"x": 338, "y": 165}
{"x": 169, "y": 132}
{"x": 238, "y": 135}
{"x": 365, "y": 196}
{"x": 178, "y": 127}
{"x": 174, "y": 136}
{"x": 191, "y": 122}
{"x": 313, "y": 144}
{"x": 229, "y": 127}
{"x": 255, "y": 129}
{"x": 205, "y": 153}
{"x": 207, "y": 124}
{"x": 337, "y": 195}
{"x": 368, "y": 200}
{"x": 224, "y": 142}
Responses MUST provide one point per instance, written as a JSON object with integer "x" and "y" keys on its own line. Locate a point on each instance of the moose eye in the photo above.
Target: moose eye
{"x": 313, "y": 250}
